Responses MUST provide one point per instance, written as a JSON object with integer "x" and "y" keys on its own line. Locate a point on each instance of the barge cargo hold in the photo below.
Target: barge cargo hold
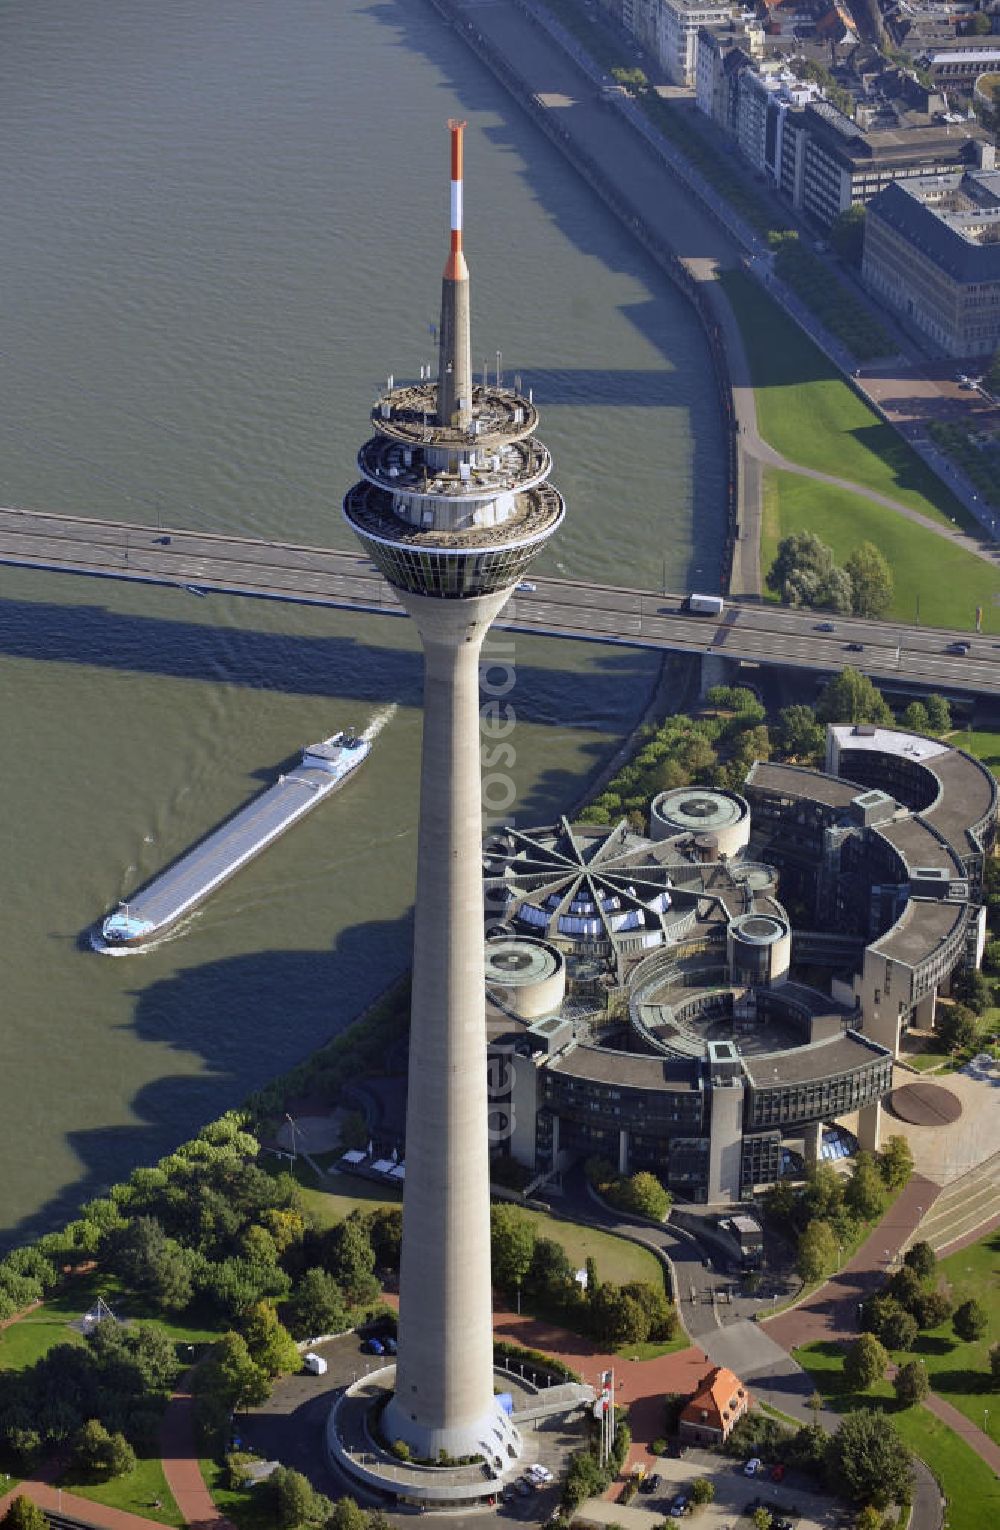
{"x": 188, "y": 882}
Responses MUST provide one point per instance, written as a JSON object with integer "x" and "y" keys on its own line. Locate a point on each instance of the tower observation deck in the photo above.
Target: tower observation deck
{"x": 452, "y": 505}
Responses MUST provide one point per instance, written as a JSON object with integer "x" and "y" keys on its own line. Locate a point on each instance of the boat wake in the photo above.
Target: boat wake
{"x": 383, "y": 717}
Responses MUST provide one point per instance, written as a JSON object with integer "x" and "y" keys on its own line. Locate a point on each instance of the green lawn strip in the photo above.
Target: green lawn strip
{"x": 135, "y": 1493}
{"x": 246, "y": 1507}
{"x": 949, "y": 581}
{"x": 33, "y": 1336}
{"x": 924, "y": 1061}
{"x": 966, "y": 1481}
{"x": 652, "y": 1350}
{"x": 806, "y": 411}
{"x": 330, "y": 1206}
{"x": 617, "y": 1259}
{"x": 985, "y": 746}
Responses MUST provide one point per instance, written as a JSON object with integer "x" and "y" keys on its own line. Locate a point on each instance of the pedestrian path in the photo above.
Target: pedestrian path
{"x": 179, "y": 1450}
{"x": 58, "y": 1501}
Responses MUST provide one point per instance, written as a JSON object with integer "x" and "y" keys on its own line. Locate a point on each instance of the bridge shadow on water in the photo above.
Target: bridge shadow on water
{"x": 349, "y": 668}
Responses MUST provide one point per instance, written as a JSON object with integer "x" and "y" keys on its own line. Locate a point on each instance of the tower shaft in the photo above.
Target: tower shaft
{"x": 444, "y": 1377}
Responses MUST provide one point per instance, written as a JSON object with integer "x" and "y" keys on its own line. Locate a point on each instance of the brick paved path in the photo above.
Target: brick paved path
{"x": 180, "y": 1464}
{"x": 831, "y": 1313}
{"x": 59, "y": 1501}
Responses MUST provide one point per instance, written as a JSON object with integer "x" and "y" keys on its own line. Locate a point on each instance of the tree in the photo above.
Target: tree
{"x": 800, "y": 566}
{"x": 899, "y": 1330}
{"x": 847, "y": 234}
{"x": 761, "y": 1519}
{"x": 618, "y": 1316}
{"x": 385, "y": 1230}
{"x": 938, "y": 713}
{"x": 97, "y": 1453}
{"x": 956, "y": 1026}
{"x": 970, "y": 1320}
{"x": 661, "y": 1316}
{"x": 871, "y": 581}
{"x": 851, "y": 697}
{"x": 648, "y": 1197}
{"x": 702, "y": 1490}
{"x": 550, "y": 1273}
{"x": 995, "y": 1361}
{"x": 865, "y": 1363}
{"x": 865, "y": 1192}
{"x": 799, "y": 734}
{"x": 232, "y": 1376}
{"x": 906, "y": 1286}
{"x": 921, "y": 1259}
{"x": 347, "y": 1515}
{"x": 895, "y": 1162}
{"x": 150, "y": 1263}
{"x": 822, "y": 1195}
{"x": 972, "y": 988}
{"x": 868, "y": 1460}
{"x": 911, "y": 1384}
{"x": 350, "y": 1258}
{"x": 817, "y": 1252}
{"x": 24, "y": 1515}
{"x": 916, "y": 719}
{"x": 932, "y": 1308}
{"x": 296, "y": 1500}
{"x": 991, "y": 957}
{"x": 270, "y": 1344}
{"x": 512, "y": 1245}
{"x": 869, "y": 1518}
{"x": 317, "y": 1306}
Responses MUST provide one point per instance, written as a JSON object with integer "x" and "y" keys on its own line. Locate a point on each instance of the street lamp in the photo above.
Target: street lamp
{"x": 292, "y": 1125}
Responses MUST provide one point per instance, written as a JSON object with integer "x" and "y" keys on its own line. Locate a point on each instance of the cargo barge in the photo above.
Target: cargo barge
{"x": 175, "y": 892}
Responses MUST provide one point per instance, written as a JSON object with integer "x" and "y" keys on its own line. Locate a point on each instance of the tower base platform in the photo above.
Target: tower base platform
{"x": 354, "y": 1448}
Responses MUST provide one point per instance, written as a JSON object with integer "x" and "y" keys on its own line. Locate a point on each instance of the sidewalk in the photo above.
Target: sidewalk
{"x": 179, "y": 1451}
{"x": 831, "y": 1313}
{"x": 57, "y": 1501}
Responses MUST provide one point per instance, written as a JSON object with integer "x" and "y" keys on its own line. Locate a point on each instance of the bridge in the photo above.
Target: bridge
{"x": 750, "y": 631}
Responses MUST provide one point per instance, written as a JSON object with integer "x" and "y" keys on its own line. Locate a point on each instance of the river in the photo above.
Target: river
{"x": 223, "y": 226}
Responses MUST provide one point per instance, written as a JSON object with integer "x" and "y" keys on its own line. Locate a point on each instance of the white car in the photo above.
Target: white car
{"x": 538, "y": 1473}
{"x": 753, "y": 1466}
{"x": 526, "y": 587}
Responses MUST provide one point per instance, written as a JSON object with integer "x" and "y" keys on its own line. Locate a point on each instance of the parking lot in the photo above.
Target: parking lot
{"x": 793, "y": 1499}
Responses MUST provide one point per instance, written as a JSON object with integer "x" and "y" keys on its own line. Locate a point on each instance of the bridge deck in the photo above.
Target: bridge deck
{"x": 755, "y": 632}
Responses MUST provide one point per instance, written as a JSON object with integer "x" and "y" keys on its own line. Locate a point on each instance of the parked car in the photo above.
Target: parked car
{"x": 855, "y": 647}
{"x": 373, "y": 1347}
{"x": 679, "y": 1506}
{"x": 962, "y": 648}
{"x": 526, "y": 587}
{"x": 777, "y": 1472}
{"x": 825, "y": 627}
{"x": 390, "y": 1346}
{"x": 650, "y": 1484}
{"x": 524, "y": 1487}
{"x": 753, "y": 1466}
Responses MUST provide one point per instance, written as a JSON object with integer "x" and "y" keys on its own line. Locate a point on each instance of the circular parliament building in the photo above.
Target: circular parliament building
{"x": 699, "y": 1001}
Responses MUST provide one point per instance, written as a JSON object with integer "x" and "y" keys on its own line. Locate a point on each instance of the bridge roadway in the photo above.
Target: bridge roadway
{"x": 757, "y": 633}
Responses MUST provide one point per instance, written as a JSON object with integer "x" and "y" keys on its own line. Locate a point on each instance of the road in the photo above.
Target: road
{"x": 199, "y": 562}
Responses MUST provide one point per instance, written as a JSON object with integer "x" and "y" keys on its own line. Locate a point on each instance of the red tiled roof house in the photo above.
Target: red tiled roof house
{"x": 719, "y": 1403}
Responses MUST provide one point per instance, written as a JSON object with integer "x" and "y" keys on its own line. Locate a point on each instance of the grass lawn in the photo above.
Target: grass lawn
{"x": 40, "y": 1330}
{"x": 244, "y": 1506}
{"x": 330, "y": 1206}
{"x": 809, "y": 414}
{"x": 968, "y": 1484}
{"x": 28, "y": 1340}
{"x": 985, "y": 746}
{"x": 616, "y": 1258}
{"x": 949, "y": 581}
{"x": 135, "y": 1493}
{"x": 653, "y": 1351}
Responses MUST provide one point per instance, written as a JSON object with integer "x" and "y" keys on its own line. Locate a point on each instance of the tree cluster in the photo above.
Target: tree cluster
{"x": 804, "y": 573}
{"x": 827, "y": 1211}
{"x": 641, "y": 1194}
{"x": 910, "y": 1302}
{"x": 585, "y": 1476}
{"x": 80, "y": 1396}
{"x": 540, "y": 1271}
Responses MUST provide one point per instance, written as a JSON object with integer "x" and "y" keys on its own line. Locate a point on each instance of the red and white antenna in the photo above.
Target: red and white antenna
{"x": 456, "y": 270}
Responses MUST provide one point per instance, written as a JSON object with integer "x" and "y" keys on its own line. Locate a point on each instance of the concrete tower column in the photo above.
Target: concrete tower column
{"x": 445, "y": 1286}
{"x": 813, "y": 1142}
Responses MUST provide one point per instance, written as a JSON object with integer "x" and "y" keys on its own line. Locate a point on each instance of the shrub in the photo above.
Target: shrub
{"x": 911, "y": 1383}
{"x": 970, "y": 1321}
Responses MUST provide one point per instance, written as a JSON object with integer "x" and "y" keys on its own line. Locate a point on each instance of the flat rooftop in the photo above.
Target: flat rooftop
{"x": 627, "y": 1070}
{"x": 798, "y": 781}
{"x": 919, "y": 846}
{"x": 842, "y": 1054}
{"x": 924, "y": 924}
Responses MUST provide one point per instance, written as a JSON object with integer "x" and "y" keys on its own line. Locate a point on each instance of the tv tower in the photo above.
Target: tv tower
{"x": 452, "y": 507}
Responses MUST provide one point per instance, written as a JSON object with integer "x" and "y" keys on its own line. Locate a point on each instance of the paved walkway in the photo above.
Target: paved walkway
{"x": 180, "y": 1464}
{"x": 61, "y": 1502}
{"x": 831, "y": 1313}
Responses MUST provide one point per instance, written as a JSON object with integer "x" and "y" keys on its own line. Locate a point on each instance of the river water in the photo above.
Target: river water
{"x": 222, "y": 226}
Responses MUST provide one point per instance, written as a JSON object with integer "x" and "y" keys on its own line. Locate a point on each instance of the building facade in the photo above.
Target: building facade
{"x": 932, "y": 253}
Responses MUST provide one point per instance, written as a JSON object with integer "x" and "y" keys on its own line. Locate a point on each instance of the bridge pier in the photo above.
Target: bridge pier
{"x": 716, "y": 669}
